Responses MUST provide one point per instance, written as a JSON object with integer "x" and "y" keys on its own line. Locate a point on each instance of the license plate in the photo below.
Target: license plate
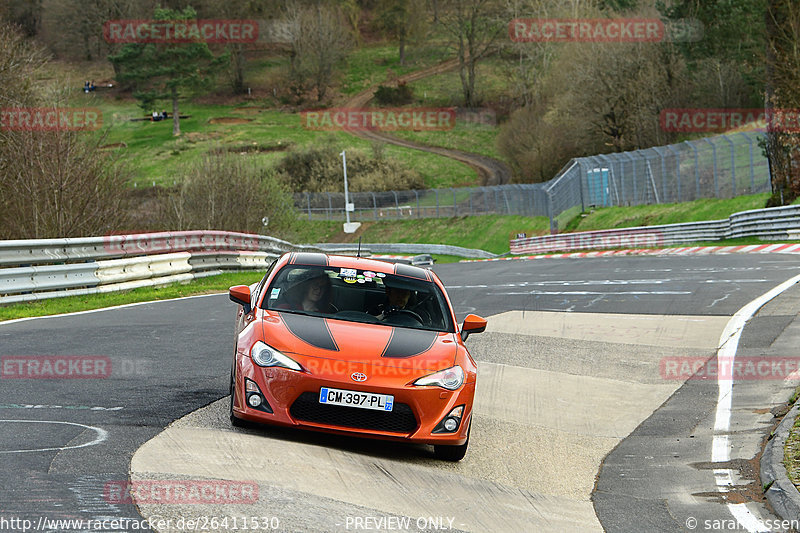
{"x": 350, "y": 398}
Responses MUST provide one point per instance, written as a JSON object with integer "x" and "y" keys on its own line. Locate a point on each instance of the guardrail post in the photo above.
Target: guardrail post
{"x": 696, "y": 168}
{"x": 374, "y": 206}
{"x": 396, "y": 204}
{"x": 553, "y": 222}
{"x": 716, "y": 181}
{"x": 416, "y": 194}
{"x": 611, "y": 178}
{"x": 308, "y": 204}
{"x": 677, "y": 155}
{"x": 733, "y": 165}
{"x": 752, "y": 163}
{"x": 437, "y": 202}
{"x": 633, "y": 175}
{"x": 664, "y": 195}
{"x": 471, "y": 210}
{"x": 330, "y": 205}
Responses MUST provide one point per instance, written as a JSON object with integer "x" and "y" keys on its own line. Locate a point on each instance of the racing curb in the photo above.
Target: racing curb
{"x": 782, "y": 494}
{"x": 789, "y": 248}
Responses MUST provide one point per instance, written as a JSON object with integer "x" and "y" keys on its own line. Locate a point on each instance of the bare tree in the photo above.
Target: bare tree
{"x": 20, "y": 63}
{"x": 59, "y": 184}
{"x": 474, "y": 27}
{"x": 26, "y": 14}
{"x": 227, "y": 192}
{"x": 401, "y": 20}
{"x": 617, "y": 91}
{"x": 537, "y": 145}
{"x": 783, "y": 95}
{"x": 263, "y": 10}
{"x": 319, "y": 42}
{"x": 596, "y": 98}
{"x": 74, "y": 28}
{"x": 52, "y": 183}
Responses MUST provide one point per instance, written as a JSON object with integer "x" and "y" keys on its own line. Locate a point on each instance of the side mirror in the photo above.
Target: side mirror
{"x": 240, "y": 294}
{"x": 472, "y": 324}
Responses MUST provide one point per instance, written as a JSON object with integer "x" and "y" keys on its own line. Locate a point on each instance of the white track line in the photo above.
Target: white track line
{"x": 102, "y": 435}
{"x": 101, "y": 309}
{"x": 720, "y": 448}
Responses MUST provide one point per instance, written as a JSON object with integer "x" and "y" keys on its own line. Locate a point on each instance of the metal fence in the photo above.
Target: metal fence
{"x": 522, "y": 199}
{"x": 723, "y": 166}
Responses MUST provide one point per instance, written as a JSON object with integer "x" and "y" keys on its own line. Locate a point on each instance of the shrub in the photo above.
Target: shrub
{"x": 319, "y": 169}
{"x": 59, "y": 184}
{"x": 400, "y": 95}
{"x": 227, "y": 192}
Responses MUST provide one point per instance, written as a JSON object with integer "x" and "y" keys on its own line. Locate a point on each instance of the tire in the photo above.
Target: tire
{"x": 236, "y": 422}
{"x": 451, "y": 453}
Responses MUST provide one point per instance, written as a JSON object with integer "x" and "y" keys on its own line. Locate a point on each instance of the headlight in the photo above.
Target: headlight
{"x": 264, "y": 355}
{"x": 450, "y": 379}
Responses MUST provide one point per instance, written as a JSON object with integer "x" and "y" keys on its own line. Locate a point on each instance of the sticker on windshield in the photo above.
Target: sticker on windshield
{"x": 348, "y": 272}
{"x": 368, "y": 274}
{"x": 275, "y": 293}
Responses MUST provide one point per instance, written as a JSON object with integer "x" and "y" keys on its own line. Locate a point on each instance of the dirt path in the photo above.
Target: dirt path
{"x": 490, "y": 171}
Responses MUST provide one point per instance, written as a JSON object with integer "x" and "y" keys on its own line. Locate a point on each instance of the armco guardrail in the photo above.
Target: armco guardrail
{"x": 408, "y": 248}
{"x": 41, "y": 251}
{"x": 772, "y": 224}
{"x": 120, "y": 262}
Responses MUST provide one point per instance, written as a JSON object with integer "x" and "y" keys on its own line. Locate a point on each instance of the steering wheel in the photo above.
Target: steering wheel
{"x": 412, "y": 314}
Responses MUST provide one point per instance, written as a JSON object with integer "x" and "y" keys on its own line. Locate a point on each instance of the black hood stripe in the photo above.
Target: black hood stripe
{"x": 311, "y": 329}
{"x": 307, "y": 258}
{"x": 408, "y": 342}
{"x": 411, "y": 271}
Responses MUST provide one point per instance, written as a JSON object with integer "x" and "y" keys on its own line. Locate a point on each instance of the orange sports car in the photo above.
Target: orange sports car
{"x": 354, "y": 346}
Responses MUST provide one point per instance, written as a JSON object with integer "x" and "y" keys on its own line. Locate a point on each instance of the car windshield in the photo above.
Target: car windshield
{"x": 357, "y": 295}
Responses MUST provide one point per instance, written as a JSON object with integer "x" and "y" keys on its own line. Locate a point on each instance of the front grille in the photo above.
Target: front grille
{"x": 399, "y": 420}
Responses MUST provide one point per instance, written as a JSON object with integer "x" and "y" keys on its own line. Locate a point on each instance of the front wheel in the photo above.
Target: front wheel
{"x": 237, "y": 422}
{"x": 451, "y": 453}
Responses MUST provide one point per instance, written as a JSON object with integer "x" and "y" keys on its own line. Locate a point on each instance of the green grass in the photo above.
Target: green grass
{"x": 651, "y": 215}
{"x": 71, "y": 304}
{"x": 376, "y": 64}
{"x": 489, "y": 232}
{"x": 445, "y": 89}
{"x": 791, "y": 454}
{"x": 156, "y": 157}
{"x": 465, "y": 136}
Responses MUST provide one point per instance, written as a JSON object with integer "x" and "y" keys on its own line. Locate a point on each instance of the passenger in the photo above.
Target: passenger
{"x": 311, "y": 292}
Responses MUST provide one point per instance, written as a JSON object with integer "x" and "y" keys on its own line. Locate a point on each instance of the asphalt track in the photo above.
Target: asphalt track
{"x": 571, "y": 383}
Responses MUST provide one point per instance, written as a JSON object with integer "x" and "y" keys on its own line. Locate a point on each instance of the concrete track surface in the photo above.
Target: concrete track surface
{"x": 571, "y": 383}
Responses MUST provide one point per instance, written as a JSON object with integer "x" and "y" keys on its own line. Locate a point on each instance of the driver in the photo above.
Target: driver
{"x": 396, "y": 299}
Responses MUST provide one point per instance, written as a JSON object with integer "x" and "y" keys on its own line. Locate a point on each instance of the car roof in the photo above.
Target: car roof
{"x": 361, "y": 263}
